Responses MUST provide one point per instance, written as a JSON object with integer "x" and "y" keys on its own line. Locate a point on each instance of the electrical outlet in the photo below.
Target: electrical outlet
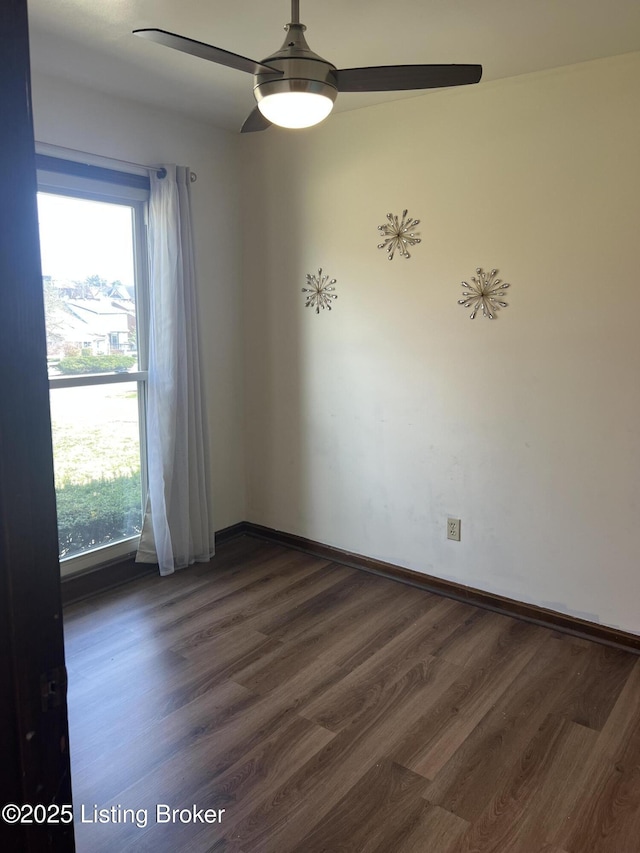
{"x": 453, "y": 529}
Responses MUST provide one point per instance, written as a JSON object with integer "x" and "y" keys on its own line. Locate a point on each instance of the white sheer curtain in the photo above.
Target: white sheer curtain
{"x": 177, "y": 528}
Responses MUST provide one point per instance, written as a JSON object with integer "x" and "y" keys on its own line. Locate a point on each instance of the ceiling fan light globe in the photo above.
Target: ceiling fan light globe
{"x": 295, "y": 109}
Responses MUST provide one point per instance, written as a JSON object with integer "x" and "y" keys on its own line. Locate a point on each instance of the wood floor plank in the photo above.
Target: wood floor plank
{"x": 270, "y": 580}
{"x": 343, "y": 705}
{"x": 256, "y": 720}
{"x": 224, "y": 724}
{"x": 467, "y": 645}
{"x": 142, "y": 596}
{"x": 125, "y": 627}
{"x": 138, "y": 664}
{"x": 546, "y": 809}
{"x": 607, "y": 815}
{"x": 318, "y": 786}
{"x": 479, "y": 766}
{"x": 248, "y": 606}
{"x": 131, "y": 608}
{"x": 428, "y": 830}
{"x": 229, "y": 653}
{"x": 270, "y": 610}
{"x": 109, "y": 756}
{"x": 335, "y": 640}
{"x": 268, "y": 763}
{"x": 326, "y": 708}
{"x": 516, "y": 819}
{"x": 295, "y": 621}
{"x": 365, "y": 604}
{"x": 599, "y": 674}
{"x": 382, "y": 612}
{"x": 175, "y": 680}
{"x": 371, "y": 814}
{"x": 384, "y": 625}
{"x": 433, "y": 740}
{"x": 187, "y": 622}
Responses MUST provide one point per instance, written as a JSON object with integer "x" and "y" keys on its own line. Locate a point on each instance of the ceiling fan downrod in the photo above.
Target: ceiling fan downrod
{"x": 295, "y": 11}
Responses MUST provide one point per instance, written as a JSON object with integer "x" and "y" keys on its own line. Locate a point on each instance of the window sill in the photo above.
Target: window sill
{"x": 97, "y": 558}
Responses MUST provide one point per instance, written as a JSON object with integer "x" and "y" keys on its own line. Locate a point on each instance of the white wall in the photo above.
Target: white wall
{"x": 369, "y": 425}
{"x": 70, "y": 115}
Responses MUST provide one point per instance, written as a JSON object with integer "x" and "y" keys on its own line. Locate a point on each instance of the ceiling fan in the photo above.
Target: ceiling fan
{"x": 295, "y": 87}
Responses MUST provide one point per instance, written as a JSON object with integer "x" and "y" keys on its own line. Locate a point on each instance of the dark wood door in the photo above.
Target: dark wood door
{"x": 34, "y": 749}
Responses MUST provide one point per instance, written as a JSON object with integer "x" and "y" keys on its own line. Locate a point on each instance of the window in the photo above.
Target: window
{"x": 93, "y": 248}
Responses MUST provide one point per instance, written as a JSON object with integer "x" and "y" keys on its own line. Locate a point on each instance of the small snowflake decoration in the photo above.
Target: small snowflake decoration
{"x": 320, "y": 291}
{"x": 484, "y": 292}
{"x": 399, "y": 235}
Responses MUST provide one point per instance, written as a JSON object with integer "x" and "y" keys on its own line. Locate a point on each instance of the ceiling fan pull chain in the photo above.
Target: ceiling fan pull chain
{"x": 295, "y": 11}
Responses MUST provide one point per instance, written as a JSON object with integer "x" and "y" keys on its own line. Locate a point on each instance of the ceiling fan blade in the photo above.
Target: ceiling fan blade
{"x": 256, "y": 121}
{"x": 396, "y": 78}
{"x": 205, "y": 51}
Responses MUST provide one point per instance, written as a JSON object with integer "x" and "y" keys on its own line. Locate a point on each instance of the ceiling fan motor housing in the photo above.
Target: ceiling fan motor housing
{"x": 302, "y": 69}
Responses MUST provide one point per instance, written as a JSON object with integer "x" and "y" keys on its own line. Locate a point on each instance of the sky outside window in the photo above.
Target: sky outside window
{"x": 80, "y": 238}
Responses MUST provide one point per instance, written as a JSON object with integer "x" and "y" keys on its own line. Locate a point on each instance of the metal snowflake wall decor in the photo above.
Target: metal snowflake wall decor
{"x": 399, "y": 235}
{"x": 484, "y": 292}
{"x": 320, "y": 291}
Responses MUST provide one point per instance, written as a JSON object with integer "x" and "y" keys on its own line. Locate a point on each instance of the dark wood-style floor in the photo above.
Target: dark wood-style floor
{"x": 326, "y": 709}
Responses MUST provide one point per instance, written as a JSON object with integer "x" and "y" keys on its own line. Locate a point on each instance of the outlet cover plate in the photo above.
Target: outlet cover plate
{"x": 453, "y": 529}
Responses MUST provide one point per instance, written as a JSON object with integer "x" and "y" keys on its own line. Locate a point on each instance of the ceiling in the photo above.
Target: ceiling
{"x": 90, "y": 42}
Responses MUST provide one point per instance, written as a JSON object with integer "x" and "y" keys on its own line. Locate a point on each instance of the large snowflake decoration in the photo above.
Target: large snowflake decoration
{"x": 320, "y": 291}
{"x": 484, "y": 292}
{"x": 399, "y": 235}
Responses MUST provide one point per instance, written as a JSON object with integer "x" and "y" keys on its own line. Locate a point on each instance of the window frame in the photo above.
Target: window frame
{"x": 89, "y": 186}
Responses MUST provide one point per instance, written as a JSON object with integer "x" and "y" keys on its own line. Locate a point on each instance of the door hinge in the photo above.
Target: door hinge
{"x": 53, "y": 688}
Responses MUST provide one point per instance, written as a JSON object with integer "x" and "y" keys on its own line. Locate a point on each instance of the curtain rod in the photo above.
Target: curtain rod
{"x": 160, "y": 171}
